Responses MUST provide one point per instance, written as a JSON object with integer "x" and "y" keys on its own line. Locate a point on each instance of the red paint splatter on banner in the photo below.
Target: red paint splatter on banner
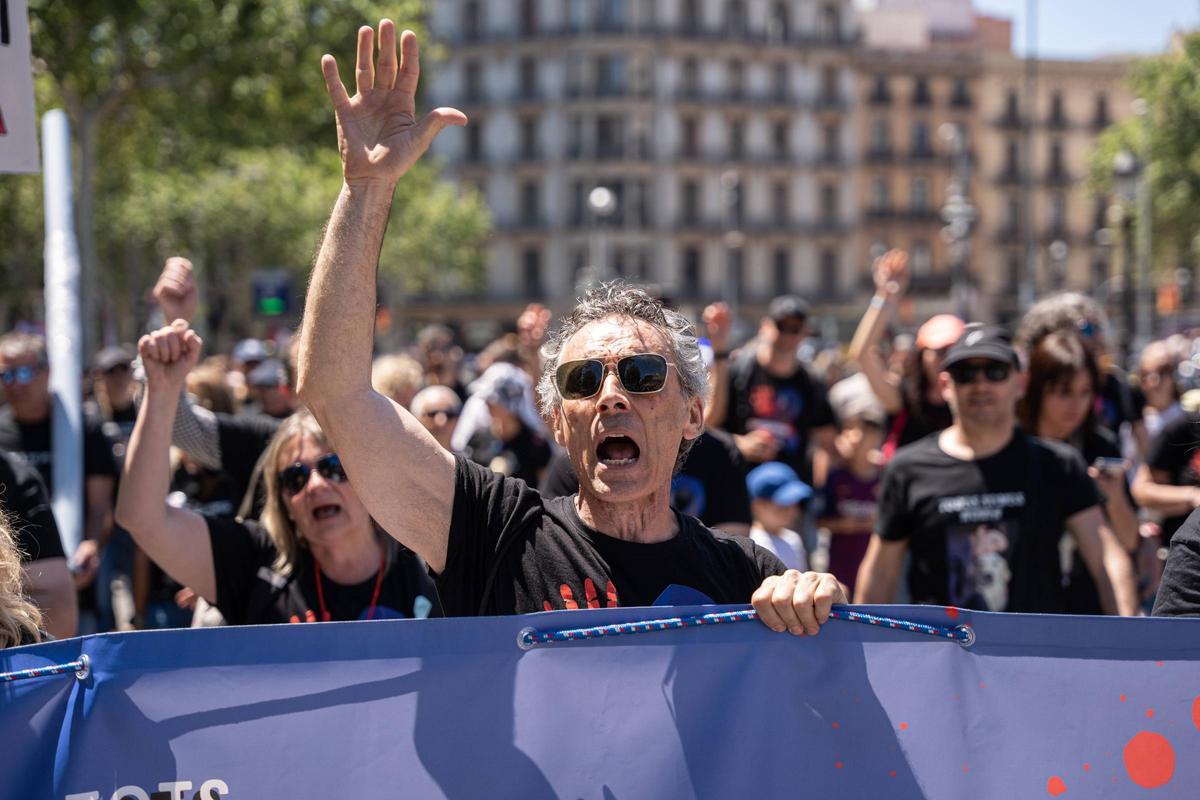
{"x": 1196, "y": 712}
{"x": 836, "y": 726}
{"x": 903, "y": 726}
{"x": 1055, "y": 786}
{"x": 838, "y": 764}
{"x": 1149, "y": 713}
{"x": 982, "y": 685}
{"x": 1122, "y": 698}
{"x": 1149, "y": 759}
{"x": 892, "y": 774}
{"x": 952, "y": 612}
{"x": 1159, "y": 663}
{"x": 1087, "y": 767}
{"x": 966, "y": 769}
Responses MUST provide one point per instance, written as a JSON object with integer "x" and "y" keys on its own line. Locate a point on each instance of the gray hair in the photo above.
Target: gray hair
{"x": 1063, "y": 311}
{"x": 620, "y": 299}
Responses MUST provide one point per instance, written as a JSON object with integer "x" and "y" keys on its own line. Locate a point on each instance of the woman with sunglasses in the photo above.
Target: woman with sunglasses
{"x": 316, "y": 554}
{"x": 1060, "y": 405}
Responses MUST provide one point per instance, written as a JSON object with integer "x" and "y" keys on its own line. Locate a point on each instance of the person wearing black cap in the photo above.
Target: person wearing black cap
{"x": 982, "y": 505}
{"x": 769, "y": 401}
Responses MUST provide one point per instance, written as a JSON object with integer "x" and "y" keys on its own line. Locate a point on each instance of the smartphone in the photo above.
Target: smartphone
{"x": 1113, "y": 466}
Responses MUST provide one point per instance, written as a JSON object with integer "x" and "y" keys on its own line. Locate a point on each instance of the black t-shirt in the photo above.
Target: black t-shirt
{"x": 918, "y": 422}
{"x": 31, "y": 442}
{"x": 709, "y": 487}
{"x": 1176, "y": 451}
{"x": 787, "y": 407}
{"x": 251, "y": 592}
{"x": 524, "y": 456}
{"x": 243, "y": 438}
{"x": 984, "y": 534}
{"x": 513, "y": 552}
{"x": 1118, "y": 403}
{"x": 24, "y": 496}
{"x": 1179, "y": 591}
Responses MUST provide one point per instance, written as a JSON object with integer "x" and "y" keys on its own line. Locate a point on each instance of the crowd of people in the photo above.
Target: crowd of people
{"x": 623, "y": 454}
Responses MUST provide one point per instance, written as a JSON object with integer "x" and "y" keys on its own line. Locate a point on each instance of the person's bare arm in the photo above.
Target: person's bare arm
{"x": 1119, "y": 514}
{"x": 879, "y": 573}
{"x": 48, "y": 584}
{"x": 1152, "y": 489}
{"x": 891, "y": 281}
{"x": 175, "y": 538}
{"x": 405, "y": 479}
{"x": 718, "y": 324}
{"x": 1106, "y": 560}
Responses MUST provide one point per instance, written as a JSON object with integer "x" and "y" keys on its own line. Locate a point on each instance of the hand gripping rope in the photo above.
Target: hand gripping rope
{"x": 82, "y": 668}
{"x": 529, "y": 638}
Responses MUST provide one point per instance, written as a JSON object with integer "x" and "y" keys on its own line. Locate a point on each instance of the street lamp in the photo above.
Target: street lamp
{"x": 1058, "y": 252}
{"x": 602, "y": 202}
{"x": 1132, "y": 189}
{"x": 958, "y": 214}
{"x": 734, "y": 240}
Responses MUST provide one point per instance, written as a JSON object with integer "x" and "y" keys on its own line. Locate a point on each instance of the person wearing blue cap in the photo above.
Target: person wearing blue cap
{"x": 776, "y": 498}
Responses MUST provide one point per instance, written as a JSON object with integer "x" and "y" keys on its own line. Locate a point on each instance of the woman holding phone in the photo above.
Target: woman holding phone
{"x": 1060, "y": 404}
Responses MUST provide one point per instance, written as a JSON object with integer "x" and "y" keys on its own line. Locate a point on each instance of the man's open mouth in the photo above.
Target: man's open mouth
{"x": 617, "y": 451}
{"x": 326, "y": 511}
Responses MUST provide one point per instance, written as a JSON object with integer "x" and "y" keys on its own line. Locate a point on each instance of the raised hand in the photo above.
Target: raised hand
{"x": 532, "y": 325}
{"x": 168, "y": 355}
{"x": 718, "y": 322}
{"x": 379, "y": 136}
{"x": 175, "y": 291}
{"x": 891, "y": 273}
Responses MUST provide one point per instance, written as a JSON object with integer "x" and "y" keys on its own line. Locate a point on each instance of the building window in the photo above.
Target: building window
{"x": 780, "y": 80}
{"x": 692, "y": 277}
{"x": 1100, "y": 214}
{"x": 578, "y": 203}
{"x": 920, "y": 139}
{"x": 472, "y": 20}
{"x": 531, "y": 203}
{"x": 474, "y": 145}
{"x": 528, "y": 78}
{"x": 642, "y": 208}
{"x": 531, "y": 268}
{"x": 472, "y": 81}
{"x": 735, "y": 16}
{"x": 881, "y": 93}
{"x": 1101, "y": 119}
{"x": 735, "y": 276}
{"x": 529, "y": 138}
{"x": 737, "y": 205}
{"x": 921, "y": 96}
{"x": 829, "y": 272}
{"x": 829, "y": 204}
{"x": 780, "y": 133}
{"x": 830, "y": 94}
{"x": 612, "y": 74}
{"x": 690, "y": 202}
{"x": 920, "y": 194}
{"x": 1012, "y": 216}
{"x": 880, "y": 137}
{"x": 880, "y": 199}
{"x": 1058, "y": 213}
{"x": 780, "y": 204}
{"x": 960, "y": 96}
{"x": 689, "y": 16}
{"x": 830, "y": 143}
{"x": 690, "y": 137}
{"x": 829, "y": 22}
{"x": 610, "y": 136}
{"x": 780, "y": 25}
{"x": 610, "y": 15}
{"x": 737, "y": 139}
{"x": 529, "y": 18}
{"x": 1058, "y": 169}
{"x": 1012, "y": 158}
{"x": 691, "y": 77}
{"x": 1012, "y": 107}
{"x": 1058, "y": 117}
{"x": 922, "y": 260}
{"x": 735, "y": 78}
{"x": 781, "y": 271}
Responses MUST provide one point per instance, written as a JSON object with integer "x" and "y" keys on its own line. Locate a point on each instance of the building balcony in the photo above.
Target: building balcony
{"x": 922, "y": 154}
{"x": 1058, "y": 177}
{"x": 628, "y": 31}
{"x": 890, "y": 214}
{"x": 607, "y": 92}
{"x": 1009, "y": 234}
{"x": 1009, "y": 121}
{"x": 1100, "y": 122}
{"x": 1010, "y": 176}
{"x": 880, "y": 155}
{"x": 1057, "y": 122}
{"x": 880, "y": 98}
{"x": 936, "y": 284}
{"x": 961, "y": 102}
{"x": 830, "y": 102}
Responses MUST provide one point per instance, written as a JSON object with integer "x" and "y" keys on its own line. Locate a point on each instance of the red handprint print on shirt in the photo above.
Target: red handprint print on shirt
{"x": 590, "y": 594}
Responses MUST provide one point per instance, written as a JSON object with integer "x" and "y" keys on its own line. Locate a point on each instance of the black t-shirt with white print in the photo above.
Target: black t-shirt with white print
{"x": 984, "y": 534}
{"x": 513, "y": 552}
{"x": 251, "y": 592}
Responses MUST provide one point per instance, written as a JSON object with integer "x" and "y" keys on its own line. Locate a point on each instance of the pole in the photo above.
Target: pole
{"x": 1027, "y": 290}
{"x": 1144, "y": 323}
{"x": 64, "y": 330}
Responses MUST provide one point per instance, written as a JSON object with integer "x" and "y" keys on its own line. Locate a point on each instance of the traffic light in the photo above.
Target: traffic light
{"x": 272, "y": 292}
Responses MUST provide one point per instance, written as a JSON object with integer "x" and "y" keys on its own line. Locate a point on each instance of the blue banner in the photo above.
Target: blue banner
{"x": 1038, "y": 706}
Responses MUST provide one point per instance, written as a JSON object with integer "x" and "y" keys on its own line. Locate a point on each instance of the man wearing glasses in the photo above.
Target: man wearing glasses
{"x": 623, "y": 393}
{"x": 982, "y": 506}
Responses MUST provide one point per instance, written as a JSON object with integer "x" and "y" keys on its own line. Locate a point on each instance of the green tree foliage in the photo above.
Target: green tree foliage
{"x": 203, "y": 128}
{"x": 1167, "y": 140}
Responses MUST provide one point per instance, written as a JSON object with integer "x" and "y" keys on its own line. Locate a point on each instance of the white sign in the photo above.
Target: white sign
{"x": 18, "y": 123}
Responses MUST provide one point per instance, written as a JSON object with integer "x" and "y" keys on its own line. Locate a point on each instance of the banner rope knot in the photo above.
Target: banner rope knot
{"x": 529, "y": 637}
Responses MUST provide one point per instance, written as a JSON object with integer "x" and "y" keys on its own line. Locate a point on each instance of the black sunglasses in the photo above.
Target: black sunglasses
{"x": 433, "y": 412}
{"x": 293, "y": 479}
{"x": 643, "y": 373}
{"x": 993, "y": 371}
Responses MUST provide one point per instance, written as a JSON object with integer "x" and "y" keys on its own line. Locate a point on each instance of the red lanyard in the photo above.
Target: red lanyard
{"x": 374, "y": 595}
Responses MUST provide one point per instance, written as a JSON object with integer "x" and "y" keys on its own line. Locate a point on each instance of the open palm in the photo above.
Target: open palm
{"x": 378, "y": 134}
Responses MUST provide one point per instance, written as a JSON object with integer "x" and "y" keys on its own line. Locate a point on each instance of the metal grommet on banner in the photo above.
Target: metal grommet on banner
{"x": 968, "y": 635}
{"x": 525, "y": 638}
{"x": 84, "y": 669}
